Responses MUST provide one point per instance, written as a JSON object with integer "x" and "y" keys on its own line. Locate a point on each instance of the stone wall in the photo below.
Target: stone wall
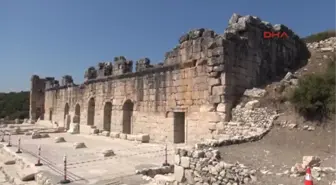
{"x": 205, "y": 167}
{"x": 202, "y": 77}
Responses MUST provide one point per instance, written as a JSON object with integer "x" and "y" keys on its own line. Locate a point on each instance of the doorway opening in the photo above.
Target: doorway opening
{"x": 179, "y": 127}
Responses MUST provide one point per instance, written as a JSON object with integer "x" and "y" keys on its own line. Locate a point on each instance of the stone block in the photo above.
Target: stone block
{"x": 207, "y": 108}
{"x": 59, "y": 140}
{"x": 189, "y": 176}
{"x": 185, "y": 162}
{"x": 122, "y": 136}
{"x": 35, "y": 135}
{"x": 114, "y": 134}
{"x": 27, "y": 174}
{"x": 131, "y": 137}
{"x": 105, "y": 133}
{"x": 143, "y": 138}
{"x": 179, "y": 173}
{"x": 79, "y": 145}
{"x": 108, "y": 153}
{"x": 214, "y": 99}
{"x": 252, "y": 104}
{"x": 44, "y": 135}
{"x": 177, "y": 159}
{"x": 94, "y": 131}
{"x": 221, "y": 107}
{"x": 218, "y": 90}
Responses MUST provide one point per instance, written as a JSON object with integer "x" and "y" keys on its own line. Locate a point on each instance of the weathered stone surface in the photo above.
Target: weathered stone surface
{"x": 123, "y": 136}
{"x": 59, "y": 140}
{"x": 44, "y": 135}
{"x": 185, "y": 162}
{"x": 105, "y": 133}
{"x": 114, "y": 134}
{"x": 179, "y": 173}
{"x": 108, "y": 153}
{"x": 204, "y": 68}
{"x": 27, "y": 174}
{"x": 79, "y": 145}
{"x": 10, "y": 162}
{"x": 143, "y": 138}
{"x": 36, "y": 135}
{"x": 310, "y": 161}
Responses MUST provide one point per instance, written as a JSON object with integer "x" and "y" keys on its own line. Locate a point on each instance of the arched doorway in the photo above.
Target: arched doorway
{"x": 77, "y": 112}
{"x": 127, "y": 117}
{"x": 91, "y": 112}
{"x": 66, "y": 110}
{"x": 107, "y": 116}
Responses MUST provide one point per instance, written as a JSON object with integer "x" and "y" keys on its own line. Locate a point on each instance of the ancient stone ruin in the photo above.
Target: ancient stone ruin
{"x": 197, "y": 85}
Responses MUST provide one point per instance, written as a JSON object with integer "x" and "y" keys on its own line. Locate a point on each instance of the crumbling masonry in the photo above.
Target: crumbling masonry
{"x": 177, "y": 101}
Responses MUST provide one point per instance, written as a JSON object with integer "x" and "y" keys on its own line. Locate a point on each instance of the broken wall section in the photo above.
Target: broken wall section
{"x": 256, "y": 61}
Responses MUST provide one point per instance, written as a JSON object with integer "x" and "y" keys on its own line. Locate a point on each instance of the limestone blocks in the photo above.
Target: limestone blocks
{"x": 203, "y": 166}
{"x": 114, "y": 134}
{"x": 105, "y": 133}
{"x": 143, "y": 138}
{"x": 142, "y": 64}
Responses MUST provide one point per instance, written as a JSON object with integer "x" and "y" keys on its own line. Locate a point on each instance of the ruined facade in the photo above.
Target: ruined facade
{"x": 178, "y": 100}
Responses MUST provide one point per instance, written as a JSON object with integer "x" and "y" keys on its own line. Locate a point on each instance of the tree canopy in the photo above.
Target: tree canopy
{"x": 14, "y": 105}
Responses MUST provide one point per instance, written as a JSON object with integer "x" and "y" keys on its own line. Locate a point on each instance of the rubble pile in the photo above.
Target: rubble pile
{"x": 249, "y": 123}
{"x": 204, "y": 167}
{"x": 327, "y": 45}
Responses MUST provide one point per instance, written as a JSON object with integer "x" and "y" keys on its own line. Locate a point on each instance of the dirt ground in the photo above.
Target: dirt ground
{"x": 280, "y": 149}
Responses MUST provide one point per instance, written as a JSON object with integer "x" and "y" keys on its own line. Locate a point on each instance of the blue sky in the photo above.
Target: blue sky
{"x": 54, "y": 38}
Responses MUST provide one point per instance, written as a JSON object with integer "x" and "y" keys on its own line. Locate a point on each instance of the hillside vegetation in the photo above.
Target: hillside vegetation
{"x": 14, "y": 105}
{"x": 314, "y": 98}
{"x": 320, "y": 36}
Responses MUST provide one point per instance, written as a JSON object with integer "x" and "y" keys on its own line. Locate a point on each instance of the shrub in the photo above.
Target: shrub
{"x": 320, "y": 36}
{"x": 314, "y": 98}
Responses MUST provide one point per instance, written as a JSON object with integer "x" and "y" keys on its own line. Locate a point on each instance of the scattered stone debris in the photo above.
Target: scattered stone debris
{"x": 204, "y": 166}
{"x": 151, "y": 172}
{"x": 255, "y": 93}
{"x": 35, "y": 135}
{"x": 79, "y": 145}
{"x": 248, "y": 123}
{"x": 327, "y": 45}
{"x": 307, "y": 161}
{"x": 105, "y": 133}
{"x": 108, "y": 153}
{"x": 10, "y": 162}
{"x": 59, "y": 140}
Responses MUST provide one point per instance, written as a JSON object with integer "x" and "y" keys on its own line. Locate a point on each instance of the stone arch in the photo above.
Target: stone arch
{"x": 107, "y": 116}
{"x": 91, "y": 112}
{"x": 127, "y": 117}
{"x": 66, "y": 110}
{"x": 77, "y": 111}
